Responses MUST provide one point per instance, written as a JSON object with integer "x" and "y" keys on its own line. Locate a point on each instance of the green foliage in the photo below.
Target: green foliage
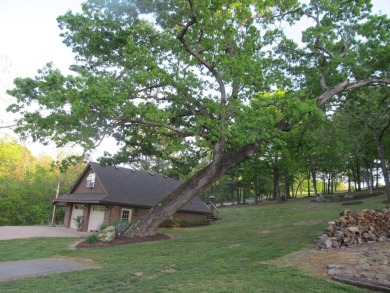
{"x": 180, "y": 223}
{"x": 92, "y": 238}
{"x": 28, "y": 185}
{"x": 79, "y": 221}
{"x": 175, "y": 223}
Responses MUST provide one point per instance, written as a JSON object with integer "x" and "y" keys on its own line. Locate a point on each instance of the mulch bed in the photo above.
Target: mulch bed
{"x": 123, "y": 241}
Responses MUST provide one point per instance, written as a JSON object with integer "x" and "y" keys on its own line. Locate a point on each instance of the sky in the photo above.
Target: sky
{"x": 30, "y": 38}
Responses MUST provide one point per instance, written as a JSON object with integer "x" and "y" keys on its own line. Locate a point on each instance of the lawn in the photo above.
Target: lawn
{"x": 232, "y": 255}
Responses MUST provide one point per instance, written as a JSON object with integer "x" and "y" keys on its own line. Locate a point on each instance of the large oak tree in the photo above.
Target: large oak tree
{"x": 181, "y": 80}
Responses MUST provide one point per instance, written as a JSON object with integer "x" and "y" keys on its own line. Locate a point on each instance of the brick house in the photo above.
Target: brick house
{"x": 111, "y": 194}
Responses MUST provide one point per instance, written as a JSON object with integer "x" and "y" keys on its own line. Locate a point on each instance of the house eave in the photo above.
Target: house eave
{"x": 110, "y": 203}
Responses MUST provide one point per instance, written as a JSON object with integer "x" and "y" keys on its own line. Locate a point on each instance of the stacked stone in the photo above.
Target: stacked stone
{"x": 356, "y": 228}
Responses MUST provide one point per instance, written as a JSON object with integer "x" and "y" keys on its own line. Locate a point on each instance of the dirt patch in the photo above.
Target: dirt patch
{"x": 371, "y": 259}
{"x": 351, "y": 203}
{"x": 123, "y": 241}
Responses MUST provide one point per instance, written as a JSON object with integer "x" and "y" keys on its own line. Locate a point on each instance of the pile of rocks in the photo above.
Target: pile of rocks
{"x": 356, "y": 228}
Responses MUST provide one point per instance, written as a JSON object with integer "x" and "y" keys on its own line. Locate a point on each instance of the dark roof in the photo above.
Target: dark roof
{"x": 129, "y": 187}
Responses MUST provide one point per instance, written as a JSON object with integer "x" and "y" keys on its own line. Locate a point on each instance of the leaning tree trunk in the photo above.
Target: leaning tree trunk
{"x": 221, "y": 163}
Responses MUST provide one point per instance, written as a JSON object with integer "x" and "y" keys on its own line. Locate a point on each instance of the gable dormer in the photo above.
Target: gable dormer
{"x": 91, "y": 180}
{"x": 88, "y": 182}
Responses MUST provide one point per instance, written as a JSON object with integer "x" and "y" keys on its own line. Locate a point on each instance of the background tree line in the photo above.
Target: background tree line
{"x": 29, "y": 184}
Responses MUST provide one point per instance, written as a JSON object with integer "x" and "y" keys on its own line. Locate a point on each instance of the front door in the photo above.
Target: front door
{"x": 96, "y": 217}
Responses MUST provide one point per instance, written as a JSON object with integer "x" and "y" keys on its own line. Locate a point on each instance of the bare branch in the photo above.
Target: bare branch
{"x": 8, "y": 126}
{"x": 330, "y": 55}
{"x": 323, "y": 79}
{"x": 345, "y": 86}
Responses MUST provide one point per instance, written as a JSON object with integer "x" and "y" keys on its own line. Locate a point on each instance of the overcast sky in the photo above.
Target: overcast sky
{"x": 30, "y": 38}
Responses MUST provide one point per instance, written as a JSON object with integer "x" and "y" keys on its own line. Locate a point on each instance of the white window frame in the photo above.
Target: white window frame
{"x": 128, "y": 216}
{"x": 91, "y": 180}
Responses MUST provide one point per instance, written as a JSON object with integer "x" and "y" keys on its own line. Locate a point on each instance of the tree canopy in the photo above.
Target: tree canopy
{"x": 28, "y": 185}
{"x": 184, "y": 80}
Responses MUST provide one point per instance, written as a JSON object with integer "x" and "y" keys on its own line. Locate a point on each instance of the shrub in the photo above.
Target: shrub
{"x": 79, "y": 222}
{"x": 121, "y": 227}
{"x": 204, "y": 222}
{"x": 175, "y": 223}
{"x": 92, "y": 238}
{"x": 103, "y": 226}
{"x": 179, "y": 223}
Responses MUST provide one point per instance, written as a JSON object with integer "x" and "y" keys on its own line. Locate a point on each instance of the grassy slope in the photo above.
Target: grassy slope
{"x": 228, "y": 256}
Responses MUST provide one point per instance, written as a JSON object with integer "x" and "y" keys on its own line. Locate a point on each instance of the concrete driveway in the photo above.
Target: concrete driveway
{"x": 27, "y": 268}
{"x": 17, "y": 232}
{"x": 44, "y": 266}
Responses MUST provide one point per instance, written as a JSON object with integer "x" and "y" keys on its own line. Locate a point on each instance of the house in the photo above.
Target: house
{"x": 111, "y": 194}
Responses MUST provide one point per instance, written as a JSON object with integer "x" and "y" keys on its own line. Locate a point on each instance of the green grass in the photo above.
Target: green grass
{"x": 231, "y": 255}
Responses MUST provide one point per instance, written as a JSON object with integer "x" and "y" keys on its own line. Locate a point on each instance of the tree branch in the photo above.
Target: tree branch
{"x": 345, "y": 86}
{"x": 8, "y": 126}
{"x": 191, "y": 51}
{"x": 329, "y": 53}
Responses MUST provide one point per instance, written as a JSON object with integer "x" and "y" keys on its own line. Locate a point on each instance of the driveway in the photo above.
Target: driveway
{"x": 27, "y": 268}
{"x": 36, "y": 267}
{"x": 17, "y": 232}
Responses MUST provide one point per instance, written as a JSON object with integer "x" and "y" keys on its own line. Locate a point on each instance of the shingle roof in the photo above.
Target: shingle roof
{"x": 132, "y": 188}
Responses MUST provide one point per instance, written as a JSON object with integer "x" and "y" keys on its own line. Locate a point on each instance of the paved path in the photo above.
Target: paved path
{"x": 26, "y": 268}
{"x": 17, "y": 232}
{"x": 11, "y": 270}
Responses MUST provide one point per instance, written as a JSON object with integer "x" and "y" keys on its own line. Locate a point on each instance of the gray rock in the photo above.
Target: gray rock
{"x": 108, "y": 234}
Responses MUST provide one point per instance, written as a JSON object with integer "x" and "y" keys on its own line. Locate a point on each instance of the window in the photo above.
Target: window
{"x": 98, "y": 208}
{"x": 91, "y": 180}
{"x": 126, "y": 215}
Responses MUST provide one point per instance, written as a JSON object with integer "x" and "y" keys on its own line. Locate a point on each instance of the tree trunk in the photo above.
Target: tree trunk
{"x": 323, "y": 185}
{"x": 276, "y": 191}
{"x": 349, "y": 184}
{"x": 377, "y": 178}
{"x": 314, "y": 183}
{"x": 257, "y": 193}
{"x": 287, "y": 187}
{"x": 382, "y": 160}
{"x": 369, "y": 181}
{"x": 221, "y": 163}
{"x": 358, "y": 177}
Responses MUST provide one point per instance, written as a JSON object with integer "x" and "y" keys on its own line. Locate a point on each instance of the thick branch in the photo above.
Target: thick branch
{"x": 384, "y": 130}
{"x": 329, "y": 53}
{"x": 323, "y": 79}
{"x": 210, "y": 67}
{"x": 345, "y": 86}
{"x": 8, "y": 126}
